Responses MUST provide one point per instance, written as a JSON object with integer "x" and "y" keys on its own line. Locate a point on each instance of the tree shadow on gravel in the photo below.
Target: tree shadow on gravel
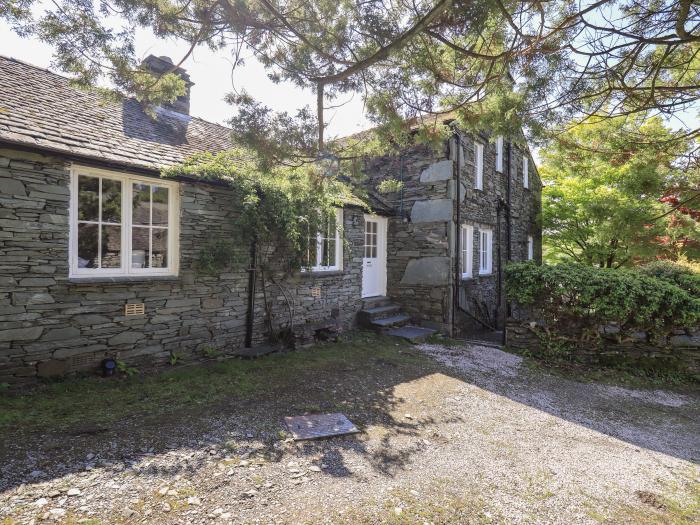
{"x": 369, "y": 378}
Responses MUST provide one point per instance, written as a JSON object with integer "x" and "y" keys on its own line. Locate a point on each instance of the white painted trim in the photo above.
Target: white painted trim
{"x": 530, "y": 248}
{"x": 526, "y": 174}
{"x": 467, "y": 249}
{"x": 338, "y": 265}
{"x": 499, "y": 154}
{"x": 485, "y": 251}
{"x": 125, "y": 269}
{"x": 478, "y": 166}
{"x": 382, "y": 242}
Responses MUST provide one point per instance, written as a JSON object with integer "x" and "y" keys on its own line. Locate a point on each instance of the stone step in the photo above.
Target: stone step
{"x": 411, "y": 333}
{"x": 378, "y": 312}
{"x": 391, "y": 322}
{"x": 373, "y": 302}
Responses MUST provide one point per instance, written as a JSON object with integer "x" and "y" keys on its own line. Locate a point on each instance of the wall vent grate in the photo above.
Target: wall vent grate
{"x": 134, "y": 309}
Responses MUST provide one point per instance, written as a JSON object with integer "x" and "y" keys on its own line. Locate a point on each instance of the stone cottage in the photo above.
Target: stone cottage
{"x": 98, "y": 254}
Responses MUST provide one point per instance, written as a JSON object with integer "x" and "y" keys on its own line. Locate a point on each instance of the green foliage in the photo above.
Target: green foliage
{"x": 602, "y": 183}
{"x": 683, "y": 274}
{"x": 581, "y": 298}
{"x": 174, "y": 358}
{"x": 280, "y": 209}
{"x": 210, "y": 353}
{"x": 390, "y": 186}
{"x": 125, "y": 369}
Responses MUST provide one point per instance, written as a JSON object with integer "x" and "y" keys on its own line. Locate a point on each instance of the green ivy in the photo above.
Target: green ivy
{"x": 280, "y": 209}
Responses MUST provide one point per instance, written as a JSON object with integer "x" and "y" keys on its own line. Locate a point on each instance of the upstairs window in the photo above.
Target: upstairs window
{"x": 122, "y": 225}
{"x": 467, "y": 248}
{"x": 499, "y": 154}
{"x": 526, "y": 175}
{"x": 325, "y": 253}
{"x": 485, "y": 251}
{"x": 478, "y": 166}
{"x": 530, "y": 248}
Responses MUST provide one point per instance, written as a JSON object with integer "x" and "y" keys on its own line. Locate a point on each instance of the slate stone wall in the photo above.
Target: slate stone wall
{"x": 418, "y": 251}
{"x": 421, "y": 242}
{"x": 680, "y": 351}
{"x": 50, "y": 325}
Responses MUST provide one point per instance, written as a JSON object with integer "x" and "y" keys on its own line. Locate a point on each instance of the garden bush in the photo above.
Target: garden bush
{"x": 684, "y": 275}
{"x": 579, "y": 299}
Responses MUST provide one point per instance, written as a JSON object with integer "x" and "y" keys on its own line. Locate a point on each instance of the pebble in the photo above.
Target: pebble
{"x": 166, "y": 507}
{"x": 41, "y": 502}
{"x": 194, "y": 500}
{"x": 314, "y": 468}
{"x": 73, "y": 492}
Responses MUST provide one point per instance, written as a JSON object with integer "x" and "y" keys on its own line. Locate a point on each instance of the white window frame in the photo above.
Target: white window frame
{"x": 467, "y": 249}
{"x": 125, "y": 270}
{"x": 478, "y": 166}
{"x": 338, "y": 263}
{"x": 530, "y": 248}
{"x": 526, "y": 175}
{"x": 485, "y": 251}
{"x": 499, "y": 154}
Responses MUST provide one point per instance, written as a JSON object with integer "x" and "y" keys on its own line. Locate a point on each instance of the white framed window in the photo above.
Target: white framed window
{"x": 526, "y": 175}
{"x": 499, "y": 154}
{"x": 478, "y": 166}
{"x": 122, "y": 224}
{"x": 485, "y": 251}
{"x": 326, "y": 254}
{"x": 467, "y": 248}
{"x": 530, "y": 248}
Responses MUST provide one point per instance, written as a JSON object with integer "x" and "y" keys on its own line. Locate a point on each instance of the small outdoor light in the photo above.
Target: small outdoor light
{"x": 109, "y": 365}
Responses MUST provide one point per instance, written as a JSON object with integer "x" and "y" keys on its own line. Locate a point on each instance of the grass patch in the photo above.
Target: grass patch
{"x": 93, "y": 400}
{"x": 680, "y": 506}
{"x": 625, "y": 376}
{"x": 439, "y": 507}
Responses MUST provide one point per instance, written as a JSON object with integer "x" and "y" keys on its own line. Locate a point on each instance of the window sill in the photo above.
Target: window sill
{"x": 485, "y": 274}
{"x": 322, "y": 273}
{"x": 122, "y": 279}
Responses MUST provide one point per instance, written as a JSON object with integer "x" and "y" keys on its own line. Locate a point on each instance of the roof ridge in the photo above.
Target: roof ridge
{"x": 63, "y": 77}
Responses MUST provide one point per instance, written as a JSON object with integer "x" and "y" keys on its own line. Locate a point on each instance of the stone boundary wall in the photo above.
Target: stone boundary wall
{"x": 50, "y": 325}
{"x": 683, "y": 346}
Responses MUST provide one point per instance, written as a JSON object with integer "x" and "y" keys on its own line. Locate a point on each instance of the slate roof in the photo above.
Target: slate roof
{"x": 40, "y": 109}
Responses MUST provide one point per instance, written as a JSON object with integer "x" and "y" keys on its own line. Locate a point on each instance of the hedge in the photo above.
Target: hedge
{"x": 582, "y": 298}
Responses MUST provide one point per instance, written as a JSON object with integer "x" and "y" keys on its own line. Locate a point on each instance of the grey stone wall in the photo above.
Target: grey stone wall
{"x": 419, "y": 272}
{"x": 50, "y": 325}
{"x": 421, "y": 241}
{"x": 680, "y": 351}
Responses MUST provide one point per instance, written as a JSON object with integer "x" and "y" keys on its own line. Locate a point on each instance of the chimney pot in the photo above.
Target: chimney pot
{"x": 164, "y": 64}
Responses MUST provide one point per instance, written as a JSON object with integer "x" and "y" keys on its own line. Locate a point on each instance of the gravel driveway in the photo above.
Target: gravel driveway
{"x": 468, "y": 434}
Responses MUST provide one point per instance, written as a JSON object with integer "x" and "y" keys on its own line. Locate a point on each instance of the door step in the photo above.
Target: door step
{"x": 391, "y": 322}
{"x": 411, "y": 333}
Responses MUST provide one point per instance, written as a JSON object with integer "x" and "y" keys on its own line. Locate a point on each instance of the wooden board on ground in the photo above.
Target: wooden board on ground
{"x": 319, "y": 426}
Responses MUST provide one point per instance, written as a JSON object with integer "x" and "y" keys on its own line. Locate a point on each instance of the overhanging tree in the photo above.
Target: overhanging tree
{"x": 494, "y": 63}
{"x": 605, "y": 196}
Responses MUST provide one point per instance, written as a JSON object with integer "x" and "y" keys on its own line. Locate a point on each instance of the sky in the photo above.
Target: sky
{"x": 211, "y": 73}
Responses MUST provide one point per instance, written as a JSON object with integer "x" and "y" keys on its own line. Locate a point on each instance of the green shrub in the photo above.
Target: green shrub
{"x": 684, "y": 275}
{"x": 574, "y": 298}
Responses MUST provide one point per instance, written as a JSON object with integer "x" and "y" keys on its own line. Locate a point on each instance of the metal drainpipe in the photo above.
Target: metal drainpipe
{"x": 457, "y": 230}
{"x": 250, "y": 314}
{"x": 508, "y": 237}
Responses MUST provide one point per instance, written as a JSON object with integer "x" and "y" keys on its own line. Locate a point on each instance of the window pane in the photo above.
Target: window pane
{"x": 87, "y": 245}
{"x": 88, "y": 199}
{"x": 160, "y": 207}
{"x": 111, "y": 200}
{"x": 139, "y": 248}
{"x": 111, "y": 246}
{"x": 141, "y": 212}
{"x": 328, "y": 257}
{"x": 160, "y": 248}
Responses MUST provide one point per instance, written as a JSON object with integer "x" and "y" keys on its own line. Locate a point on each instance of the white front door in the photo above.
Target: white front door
{"x": 374, "y": 258}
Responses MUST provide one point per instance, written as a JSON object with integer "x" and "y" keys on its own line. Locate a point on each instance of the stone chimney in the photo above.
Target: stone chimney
{"x": 162, "y": 65}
